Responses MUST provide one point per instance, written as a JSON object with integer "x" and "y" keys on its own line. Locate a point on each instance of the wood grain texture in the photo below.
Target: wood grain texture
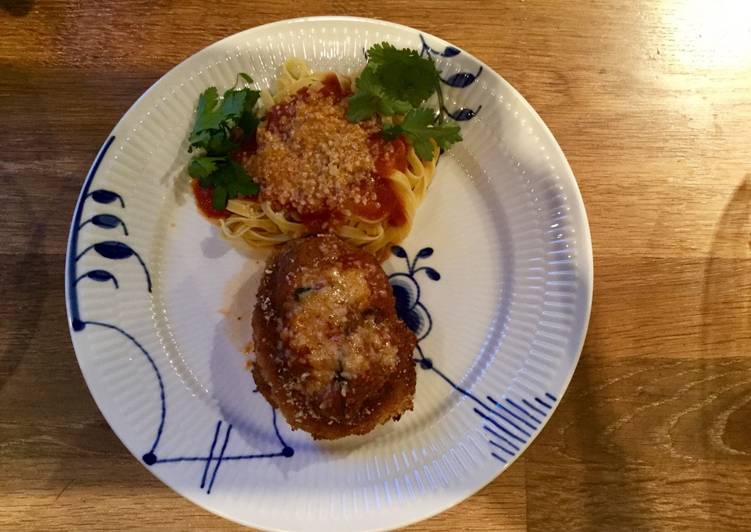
{"x": 654, "y": 433}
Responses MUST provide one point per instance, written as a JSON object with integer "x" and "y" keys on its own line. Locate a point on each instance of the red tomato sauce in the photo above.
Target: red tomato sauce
{"x": 203, "y": 195}
{"x": 332, "y": 87}
{"x": 388, "y": 156}
{"x": 246, "y": 149}
{"x": 203, "y": 201}
{"x": 287, "y": 109}
{"x": 320, "y": 222}
{"x": 386, "y": 161}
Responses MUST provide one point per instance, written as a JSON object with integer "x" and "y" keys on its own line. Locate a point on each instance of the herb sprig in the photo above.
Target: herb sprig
{"x": 398, "y": 82}
{"x": 217, "y": 131}
{"x": 419, "y": 127}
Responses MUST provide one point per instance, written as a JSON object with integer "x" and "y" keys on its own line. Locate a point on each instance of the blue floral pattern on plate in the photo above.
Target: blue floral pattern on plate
{"x": 507, "y": 423}
{"x": 460, "y": 80}
{"x": 117, "y": 250}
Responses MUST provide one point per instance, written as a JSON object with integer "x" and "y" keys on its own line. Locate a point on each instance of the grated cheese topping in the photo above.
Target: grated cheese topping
{"x": 312, "y": 160}
{"x": 329, "y": 321}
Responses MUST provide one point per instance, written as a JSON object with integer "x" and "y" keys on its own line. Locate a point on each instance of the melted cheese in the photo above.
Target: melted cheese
{"x": 326, "y": 321}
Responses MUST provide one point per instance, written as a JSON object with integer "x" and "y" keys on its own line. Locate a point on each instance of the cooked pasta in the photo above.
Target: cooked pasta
{"x": 319, "y": 173}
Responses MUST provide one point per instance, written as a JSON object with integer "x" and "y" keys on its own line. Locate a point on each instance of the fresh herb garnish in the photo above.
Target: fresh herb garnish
{"x": 370, "y": 98}
{"x": 397, "y": 82}
{"x": 419, "y": 127}
{"x": 392, "y": 83}
{"x": 403, "y": 73}
{"x": 218, "y": 128}
{"x": 227, "y": 179}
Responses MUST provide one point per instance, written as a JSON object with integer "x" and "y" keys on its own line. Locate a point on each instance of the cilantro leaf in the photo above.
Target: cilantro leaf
{"x": 227, "y": 178}
{"x": 403, "y": 73}
{"x": 391, "y": 83}
{"x": 219, "y": 197}
{"x": 219, "y": 127}
{"x": 215, "y": 118}
{"x": 234, "y": 177}
{"x": 419, "y": 129}
{"x": 248, "y": 120}
{"x": 371, "y": 98}
{"x": 202, "y": 167}
{"x": 219, "y": 143}
{"x": 393, "y": 107}
{"x": 206, "y": 116}
{"x": 233, "y": 104}
{"x": 423, "y": 147}
{"x": 396, "y": 82}
{"x": 361, "y": 106}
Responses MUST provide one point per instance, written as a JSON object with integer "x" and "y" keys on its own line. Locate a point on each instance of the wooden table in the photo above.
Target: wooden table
{"x": 651, "y": 102}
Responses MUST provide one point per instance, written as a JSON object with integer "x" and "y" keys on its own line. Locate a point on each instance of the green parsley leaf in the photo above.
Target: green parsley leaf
{"x": 250, "y": 99}
{"x": 419, "y": 128}
{"x": 216, "y": 131}
{"x": 227, "y": 178}
{"x": 202, "y": 167}
{"x": 206, "y": 116}
{"x": 370, "y": 99}
{"x": 215, "y": 118}
{"x": 361, "y": 106}
{"x": 233, "y": 104}
{"x": 248, "y": 120}
{"x": 393, "y": 107}
{"x": 219, "y": 143}
{"x": 219, "y": 197}
{"x": 403, "y": 74}
{"x": 391, "y": 83}
{"x": 236, "y": 179}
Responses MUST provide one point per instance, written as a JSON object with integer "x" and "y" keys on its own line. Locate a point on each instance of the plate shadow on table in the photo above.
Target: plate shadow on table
{"x": 624, "y": 445}
{"x": 726, "y": 328}
{"x": 728, "y": 270}
{"x": 598, "y": 472}
{"x": 578, "y": 475}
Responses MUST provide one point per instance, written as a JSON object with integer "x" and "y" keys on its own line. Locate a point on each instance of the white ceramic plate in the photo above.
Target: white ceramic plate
{"x": 495, "y": 278}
